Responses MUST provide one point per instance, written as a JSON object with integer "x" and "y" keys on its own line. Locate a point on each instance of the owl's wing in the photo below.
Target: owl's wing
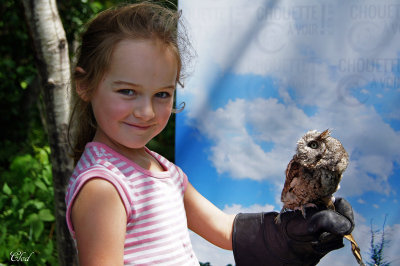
{"x": 292, "y": 171}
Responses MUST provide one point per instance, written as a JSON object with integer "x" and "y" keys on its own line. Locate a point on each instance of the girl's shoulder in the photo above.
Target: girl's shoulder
{"x": 96, "y": 156}
{"x": 97, "y": 162}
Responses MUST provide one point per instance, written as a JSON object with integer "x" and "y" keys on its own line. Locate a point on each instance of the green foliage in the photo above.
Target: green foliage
{"x": 19, "y": 115}
{"x": 26, "y": 190}
{"x": 26, "y": 209}
{"x": 376, "y": 249}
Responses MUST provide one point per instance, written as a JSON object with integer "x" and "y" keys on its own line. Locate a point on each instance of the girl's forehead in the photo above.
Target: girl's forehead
{"x": 142, "y": 50}
{"x": 144, "y": 60}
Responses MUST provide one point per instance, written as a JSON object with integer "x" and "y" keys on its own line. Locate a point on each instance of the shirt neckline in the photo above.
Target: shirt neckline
{"x": 157, "y": 174}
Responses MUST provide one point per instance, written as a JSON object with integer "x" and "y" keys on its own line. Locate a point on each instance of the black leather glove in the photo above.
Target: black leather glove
{"x": 258, "y": 240}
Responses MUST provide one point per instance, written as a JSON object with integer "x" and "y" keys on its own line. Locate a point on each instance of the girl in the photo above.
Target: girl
{"x": 125, "y": 203}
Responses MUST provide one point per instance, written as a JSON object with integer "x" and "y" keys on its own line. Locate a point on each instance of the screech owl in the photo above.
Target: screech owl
{"x": 314, "y": 173}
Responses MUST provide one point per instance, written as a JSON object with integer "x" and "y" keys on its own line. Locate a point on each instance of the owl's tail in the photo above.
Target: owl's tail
{"x": 355, "y": 249}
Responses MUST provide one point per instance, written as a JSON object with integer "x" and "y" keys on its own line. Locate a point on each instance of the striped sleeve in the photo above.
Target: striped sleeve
{"x": 91, "y": 173}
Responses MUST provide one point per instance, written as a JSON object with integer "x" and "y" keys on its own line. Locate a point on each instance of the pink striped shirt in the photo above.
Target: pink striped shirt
{"x": 156, "y": 230}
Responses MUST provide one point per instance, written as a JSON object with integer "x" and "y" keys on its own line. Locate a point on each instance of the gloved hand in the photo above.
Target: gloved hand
{"x": 258, "y": 240}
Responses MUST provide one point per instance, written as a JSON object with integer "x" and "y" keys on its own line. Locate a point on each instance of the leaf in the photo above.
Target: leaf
{"x": 96, "y": 6}
{"x": 2, "y": 201}
{"x": 14, "y": 202}
{"x": 22, "y": 164}
{"x": 33, "y": 217}
{"x": 42, "y": 155}
{"x": 3, "y": 234}
{"x": 38, "y": 204}
{"x": 49, "y": 248}
{"x": 21, "y": 213}
{"x": 6, "y": 189}
{"x": 46, "y": 215}
{"x": 41, "y": 185}
{"x": 28, "y": 187}
{"x": 37, "y": 227}
{"x": 23, "y": 85}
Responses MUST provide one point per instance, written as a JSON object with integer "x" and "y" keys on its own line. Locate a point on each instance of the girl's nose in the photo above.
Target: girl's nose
{"x": 143, "y": 109}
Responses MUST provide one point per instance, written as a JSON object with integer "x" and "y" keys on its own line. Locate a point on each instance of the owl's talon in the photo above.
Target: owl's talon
{"x": 303, "y": 207}
{"x": 312, "y": 205}
{"x": 303, "y": 211}
{"x": 277, "y": 219}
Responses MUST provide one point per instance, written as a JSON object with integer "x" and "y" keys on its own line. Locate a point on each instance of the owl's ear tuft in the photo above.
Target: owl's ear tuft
{"x": 324, "y": 134}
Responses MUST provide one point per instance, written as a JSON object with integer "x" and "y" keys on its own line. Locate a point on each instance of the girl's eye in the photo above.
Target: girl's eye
{"x": 163, "y": 95}
{"x": 127, "y": 92}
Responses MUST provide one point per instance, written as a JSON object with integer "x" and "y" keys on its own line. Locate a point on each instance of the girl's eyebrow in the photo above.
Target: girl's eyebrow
{"x": 121, "y": 82}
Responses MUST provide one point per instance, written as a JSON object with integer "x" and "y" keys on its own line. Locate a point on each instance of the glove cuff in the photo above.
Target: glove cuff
{"x": 247, "y": 239}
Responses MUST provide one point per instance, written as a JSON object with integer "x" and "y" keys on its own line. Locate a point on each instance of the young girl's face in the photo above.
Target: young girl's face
{"x": 134, "y": 100}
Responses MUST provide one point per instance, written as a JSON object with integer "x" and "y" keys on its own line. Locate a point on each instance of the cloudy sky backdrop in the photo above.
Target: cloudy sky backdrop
{"x": 268, "y": 71}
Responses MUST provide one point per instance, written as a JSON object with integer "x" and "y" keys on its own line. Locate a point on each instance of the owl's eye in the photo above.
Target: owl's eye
{"x": 313, "y": 145}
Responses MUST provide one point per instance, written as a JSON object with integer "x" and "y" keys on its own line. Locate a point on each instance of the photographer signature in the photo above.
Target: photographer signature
{"x": 20, "y": 255}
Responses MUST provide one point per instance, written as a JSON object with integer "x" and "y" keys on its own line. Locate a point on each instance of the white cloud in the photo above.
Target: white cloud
{"x": 274, "y": 38}
{"x": 362, "y": 234}
{"x": 361, "y": 201}
{"x": 240, "y": 129}
{"x": 266, "y": 32}
{"x": 237, "y": 208}
{"x": 306, "y": 46}
{"x": 319, "y": 56}
{"x": 207, "y": 252}
{"x": 392, "y": 251}
{"x": 344, "y": 255}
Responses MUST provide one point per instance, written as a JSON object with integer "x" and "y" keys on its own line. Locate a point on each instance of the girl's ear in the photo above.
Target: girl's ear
{"x": 80, "y": 87}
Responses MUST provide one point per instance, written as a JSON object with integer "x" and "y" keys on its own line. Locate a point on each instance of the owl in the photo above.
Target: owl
{"x": 315, "y": 171}
{"x": 314, "y": 174}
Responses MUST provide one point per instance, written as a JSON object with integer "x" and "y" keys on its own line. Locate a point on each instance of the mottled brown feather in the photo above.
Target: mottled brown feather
{"x": 314, "y": 174}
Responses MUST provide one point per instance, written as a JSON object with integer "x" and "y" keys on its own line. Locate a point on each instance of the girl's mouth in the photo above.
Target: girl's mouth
{"x": 138, "y": 126}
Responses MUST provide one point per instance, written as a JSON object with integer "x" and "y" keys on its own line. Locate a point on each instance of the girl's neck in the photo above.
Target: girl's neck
{"x": 137, "y": 155}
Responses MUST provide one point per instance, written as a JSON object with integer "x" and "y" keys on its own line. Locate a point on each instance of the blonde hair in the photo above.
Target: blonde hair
{"x": 141, "y": 21}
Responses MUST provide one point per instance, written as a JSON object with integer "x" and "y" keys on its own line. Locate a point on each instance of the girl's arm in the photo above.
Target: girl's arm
{"x": 207, "y": 220}
{"x": 99, "y": 220}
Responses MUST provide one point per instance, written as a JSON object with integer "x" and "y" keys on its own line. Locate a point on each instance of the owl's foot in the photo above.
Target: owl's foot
{"x": 303, "y": 207}
{"x": 277, "y": 219}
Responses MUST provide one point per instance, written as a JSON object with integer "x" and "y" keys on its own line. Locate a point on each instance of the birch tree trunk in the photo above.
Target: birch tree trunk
{"x": 52, "y": 60}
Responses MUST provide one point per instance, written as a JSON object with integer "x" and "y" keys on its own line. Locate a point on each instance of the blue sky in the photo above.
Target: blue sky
{"x": 267, "y": 73}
